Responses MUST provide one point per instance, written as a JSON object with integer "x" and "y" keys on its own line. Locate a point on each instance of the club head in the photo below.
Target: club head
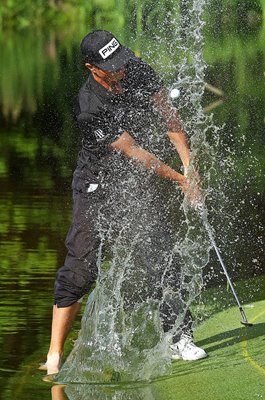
{"x": 246, "y": 323}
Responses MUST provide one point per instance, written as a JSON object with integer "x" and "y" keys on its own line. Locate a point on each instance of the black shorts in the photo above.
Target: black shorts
{"x": 79, "y": 272}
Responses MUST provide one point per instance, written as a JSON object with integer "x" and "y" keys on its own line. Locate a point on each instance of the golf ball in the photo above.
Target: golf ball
{"x": 174, "y": 93}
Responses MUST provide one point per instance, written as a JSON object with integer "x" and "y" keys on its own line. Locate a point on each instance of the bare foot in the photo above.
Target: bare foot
{"x": 53, "y": 363}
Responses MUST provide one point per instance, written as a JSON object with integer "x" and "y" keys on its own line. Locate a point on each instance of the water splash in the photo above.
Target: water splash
{"x": 157, "y": 245}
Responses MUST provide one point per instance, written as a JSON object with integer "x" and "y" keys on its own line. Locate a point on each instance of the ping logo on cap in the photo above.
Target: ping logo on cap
{"x": 109, "y": 48}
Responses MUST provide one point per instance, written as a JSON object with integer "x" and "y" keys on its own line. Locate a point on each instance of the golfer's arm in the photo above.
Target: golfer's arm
{"x": 129, "y": 148}
{"x": 175, "y": 132}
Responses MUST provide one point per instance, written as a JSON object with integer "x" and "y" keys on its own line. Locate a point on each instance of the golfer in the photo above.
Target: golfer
{"x": 121, "y": 96}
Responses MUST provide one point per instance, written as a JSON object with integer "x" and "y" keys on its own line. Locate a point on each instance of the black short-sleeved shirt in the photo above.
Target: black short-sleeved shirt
{"x": 103, "y": 116}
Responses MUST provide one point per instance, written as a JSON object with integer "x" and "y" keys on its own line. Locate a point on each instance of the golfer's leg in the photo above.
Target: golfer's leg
{"x": 175, "y": 316}
{"x": 75, "y": 277}
{"x": 62, "y": 320}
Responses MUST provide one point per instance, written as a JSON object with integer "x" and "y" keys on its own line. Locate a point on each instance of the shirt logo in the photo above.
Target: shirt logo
{"x": 99, "y": 134}
{"x": 92, "y": 187}
{"x": 110, "y": 47}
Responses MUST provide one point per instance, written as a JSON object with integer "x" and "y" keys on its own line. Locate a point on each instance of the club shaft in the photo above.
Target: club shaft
{"x": 226, "y": 274}
{"x": 224, "y": 269}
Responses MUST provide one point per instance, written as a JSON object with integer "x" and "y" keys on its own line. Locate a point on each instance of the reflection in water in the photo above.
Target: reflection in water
{"x": 97, "y": 392}
{"x": 31, "y": 232}
{"x": 58, "y": 392}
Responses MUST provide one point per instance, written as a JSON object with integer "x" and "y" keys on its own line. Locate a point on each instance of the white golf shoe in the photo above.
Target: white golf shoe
{"x": 186, "y": 350}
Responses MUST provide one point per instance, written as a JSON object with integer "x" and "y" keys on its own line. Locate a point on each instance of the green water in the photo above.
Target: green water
{"x": 40, "y": 71}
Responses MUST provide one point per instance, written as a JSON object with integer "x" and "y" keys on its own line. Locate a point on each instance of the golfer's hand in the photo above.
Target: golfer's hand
{"x": 193, "y": 190}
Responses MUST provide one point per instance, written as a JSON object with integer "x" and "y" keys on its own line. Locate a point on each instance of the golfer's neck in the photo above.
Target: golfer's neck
{"x": 114, "y": 87}
{"x": 102, "y": 82}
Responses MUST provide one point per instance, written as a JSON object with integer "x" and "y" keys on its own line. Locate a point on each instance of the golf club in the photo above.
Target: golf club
{"x": 211, "y": 237}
